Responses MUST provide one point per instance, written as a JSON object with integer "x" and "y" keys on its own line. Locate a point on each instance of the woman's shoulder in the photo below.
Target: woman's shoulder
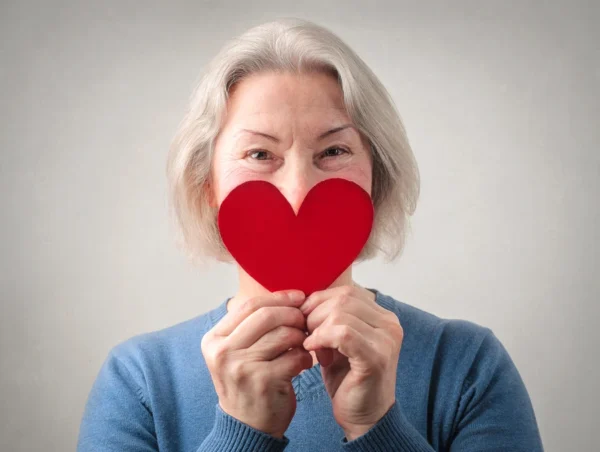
{"x": 463, "y": 368}
{"x": 454, "y": 345}
{"x": 423, "y": 323}
{"x": 171, "y": 346}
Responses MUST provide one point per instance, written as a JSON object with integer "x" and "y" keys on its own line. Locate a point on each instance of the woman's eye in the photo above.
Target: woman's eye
{"x": 251, "y": 153}
{"x": 335, "y": 148}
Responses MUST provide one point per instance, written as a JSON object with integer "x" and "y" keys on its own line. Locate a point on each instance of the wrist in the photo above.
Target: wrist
{"x": 360, "y": 430}
{"x": 350, "y": 436}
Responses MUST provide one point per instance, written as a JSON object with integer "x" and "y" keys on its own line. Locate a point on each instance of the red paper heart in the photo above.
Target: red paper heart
{"x": 307, "y": 252}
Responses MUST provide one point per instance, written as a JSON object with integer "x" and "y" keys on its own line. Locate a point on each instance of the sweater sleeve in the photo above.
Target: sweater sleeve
{"x": 117, "y": 418}
{"x": 231, "y": 434}
{"x": 393, "y": 432}
{"x": 494, "y": 413}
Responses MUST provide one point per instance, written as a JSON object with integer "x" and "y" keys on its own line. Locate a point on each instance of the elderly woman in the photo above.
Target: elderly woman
{"x": 347, "y": 367}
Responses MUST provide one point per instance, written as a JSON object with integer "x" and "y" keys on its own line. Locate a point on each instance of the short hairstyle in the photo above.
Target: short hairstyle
{"x": 295, "y": 46}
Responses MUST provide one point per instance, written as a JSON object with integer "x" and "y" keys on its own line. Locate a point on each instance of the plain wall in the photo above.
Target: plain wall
{"x": 501, "y": 104}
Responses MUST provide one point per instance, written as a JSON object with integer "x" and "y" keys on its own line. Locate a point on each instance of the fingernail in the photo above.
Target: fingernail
{"x": 296, "y": 295}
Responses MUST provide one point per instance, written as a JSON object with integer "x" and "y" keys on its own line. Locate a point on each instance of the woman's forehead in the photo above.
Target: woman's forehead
{"x": 268, "y": 94}
{"x": 269, "y": 107}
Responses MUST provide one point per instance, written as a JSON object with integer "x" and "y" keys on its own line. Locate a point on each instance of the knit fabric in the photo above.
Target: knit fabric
{"x": 457, "y": 389}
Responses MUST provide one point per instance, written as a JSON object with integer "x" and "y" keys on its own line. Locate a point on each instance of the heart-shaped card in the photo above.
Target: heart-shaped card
{"x": 283, "y": 251}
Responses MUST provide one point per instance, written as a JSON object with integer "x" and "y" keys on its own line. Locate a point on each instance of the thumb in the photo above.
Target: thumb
{"x": 325, "y": 356}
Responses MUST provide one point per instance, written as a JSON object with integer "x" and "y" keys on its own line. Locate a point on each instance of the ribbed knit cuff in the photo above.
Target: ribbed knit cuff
{"x": 230, "y": 434}
{"x": 392, "y": 432}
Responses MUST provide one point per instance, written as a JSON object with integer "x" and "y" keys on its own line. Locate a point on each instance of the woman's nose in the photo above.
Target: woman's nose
{"x": 295, "y": 184}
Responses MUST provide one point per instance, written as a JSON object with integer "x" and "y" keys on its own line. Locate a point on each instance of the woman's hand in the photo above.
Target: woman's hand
{"x": 252, "y": 355}
{"x": 357, "y": 343}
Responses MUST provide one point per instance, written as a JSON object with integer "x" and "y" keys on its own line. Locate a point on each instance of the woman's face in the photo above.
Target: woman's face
{"x": 290, "y": 130}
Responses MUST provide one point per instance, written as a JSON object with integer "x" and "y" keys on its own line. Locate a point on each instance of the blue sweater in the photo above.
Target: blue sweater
{"x": 457, "y": 390}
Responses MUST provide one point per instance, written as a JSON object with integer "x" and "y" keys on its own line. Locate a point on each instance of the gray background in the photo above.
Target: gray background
{"x": 501, "y": 104}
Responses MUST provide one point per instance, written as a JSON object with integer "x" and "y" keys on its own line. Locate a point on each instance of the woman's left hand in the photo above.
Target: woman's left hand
{"x": 357, "y": 343}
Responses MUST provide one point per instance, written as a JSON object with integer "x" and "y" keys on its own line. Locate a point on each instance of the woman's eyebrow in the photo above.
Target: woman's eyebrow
{"x": 320, "y": 137}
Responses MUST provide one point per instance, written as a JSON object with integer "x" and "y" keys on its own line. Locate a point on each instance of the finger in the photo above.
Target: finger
{"x": 289, "y": 364}
{"x": 325, "y": 356}
{"x": 261, "y": 322}
{"x": 274, "y": 343}
{"x": 345, "y": 318}
{"x": 316, "y": 298}
{"x": 364, "y": 310}
{"x": 291, "y": 298}
{"x": 343, "y": 338}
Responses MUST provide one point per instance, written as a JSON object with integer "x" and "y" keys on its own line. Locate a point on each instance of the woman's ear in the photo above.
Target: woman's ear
{"x": 210, "y": 194}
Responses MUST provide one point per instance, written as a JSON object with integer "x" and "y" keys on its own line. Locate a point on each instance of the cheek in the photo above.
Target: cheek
{"x": 231, "y": 177}
{"x": 360, "y": 174}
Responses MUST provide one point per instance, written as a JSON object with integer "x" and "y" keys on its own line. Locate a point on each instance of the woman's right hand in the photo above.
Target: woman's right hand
{"x": 249, "y": 358}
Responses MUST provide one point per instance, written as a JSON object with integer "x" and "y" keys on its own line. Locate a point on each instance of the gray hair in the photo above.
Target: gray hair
{"x": 296, "y": 46}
